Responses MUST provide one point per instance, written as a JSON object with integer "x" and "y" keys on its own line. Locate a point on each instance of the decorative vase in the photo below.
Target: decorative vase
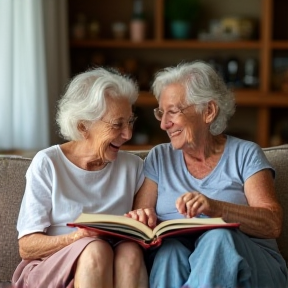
{"x": 180, "y": 29}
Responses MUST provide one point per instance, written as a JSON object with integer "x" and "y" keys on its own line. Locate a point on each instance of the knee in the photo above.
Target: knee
{"x": 170, "y": 245}
{"x": 171, "y": 249}
{"x": 95, "y": 265}
{"x": 96, "y": 255}
{"x": 128, "y": 254}
{"x": 218, "y": 233}
{"x": 217, "y": 237}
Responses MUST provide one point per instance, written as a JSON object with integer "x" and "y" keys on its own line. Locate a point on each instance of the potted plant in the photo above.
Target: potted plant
{"x": 180, "y": 15}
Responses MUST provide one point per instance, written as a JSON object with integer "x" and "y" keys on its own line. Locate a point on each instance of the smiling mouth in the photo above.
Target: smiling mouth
{"x": 175, "y": 133}
{"x": 115, "y": 147}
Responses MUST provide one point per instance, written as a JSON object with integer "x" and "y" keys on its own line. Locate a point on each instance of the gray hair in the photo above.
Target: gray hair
{"x": 85, "y": 99}
{"x": 202, "y": 85}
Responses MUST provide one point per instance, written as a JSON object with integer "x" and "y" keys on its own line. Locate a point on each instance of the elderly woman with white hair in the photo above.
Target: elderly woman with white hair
{"x": 87, "y": 174}
{"x": 204, "y": 172}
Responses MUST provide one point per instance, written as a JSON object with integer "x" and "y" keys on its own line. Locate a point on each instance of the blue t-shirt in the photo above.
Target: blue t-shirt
{"x": 239, "y": 161}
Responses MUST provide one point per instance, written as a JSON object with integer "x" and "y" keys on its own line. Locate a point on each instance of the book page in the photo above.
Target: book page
{"x": 120, "y": 228}
{"x": 186, "y": 223}
{"x": 90, "y": 218}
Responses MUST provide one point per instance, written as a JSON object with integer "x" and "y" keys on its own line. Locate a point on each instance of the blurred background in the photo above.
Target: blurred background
{"x": 46, "y": 42}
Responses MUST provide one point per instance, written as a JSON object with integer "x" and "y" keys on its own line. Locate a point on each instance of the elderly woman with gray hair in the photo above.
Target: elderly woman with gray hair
{"x": 87, "y": 174}
{"x": 204, "y": 172}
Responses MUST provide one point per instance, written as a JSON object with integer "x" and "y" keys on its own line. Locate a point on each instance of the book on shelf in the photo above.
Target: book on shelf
{"x": 123, "y": 227}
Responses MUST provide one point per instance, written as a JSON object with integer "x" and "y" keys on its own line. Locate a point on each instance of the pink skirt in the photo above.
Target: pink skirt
{"x": 55, "y": 271}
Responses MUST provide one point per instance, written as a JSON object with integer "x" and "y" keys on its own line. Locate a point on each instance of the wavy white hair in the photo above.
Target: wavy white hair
{"x": 202, "y": 85}
{"x": 85, "y": 99}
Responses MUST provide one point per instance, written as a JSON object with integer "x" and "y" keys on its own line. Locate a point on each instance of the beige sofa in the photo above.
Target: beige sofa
{"x": 12, "y": 183}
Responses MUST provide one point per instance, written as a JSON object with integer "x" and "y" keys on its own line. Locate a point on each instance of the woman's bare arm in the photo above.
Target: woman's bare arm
{"x": 39, "y": 245}
{"x": 147, "y": 195}
{"x": 262, "y": 218}
{"x": 144, "y": 204}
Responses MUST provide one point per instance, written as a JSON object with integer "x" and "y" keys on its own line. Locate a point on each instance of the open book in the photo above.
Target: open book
{"x": 123, "y": 227}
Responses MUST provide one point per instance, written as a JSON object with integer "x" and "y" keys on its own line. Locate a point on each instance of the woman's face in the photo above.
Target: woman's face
{"x": 107, "y": 135}
{"x": 183, "y": 125}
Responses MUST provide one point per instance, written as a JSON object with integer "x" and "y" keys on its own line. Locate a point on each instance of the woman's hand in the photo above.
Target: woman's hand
{"x": 192, "y": 204}
{"x": 82, "y": 233}
{"x": 145, "y": 215}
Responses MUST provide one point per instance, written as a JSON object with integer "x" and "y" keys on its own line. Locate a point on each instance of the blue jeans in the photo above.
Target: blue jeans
{"x": 219, "y": 258}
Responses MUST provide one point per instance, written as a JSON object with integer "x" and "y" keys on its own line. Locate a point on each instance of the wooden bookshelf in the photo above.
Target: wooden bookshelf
{"x": 270, "y": 15}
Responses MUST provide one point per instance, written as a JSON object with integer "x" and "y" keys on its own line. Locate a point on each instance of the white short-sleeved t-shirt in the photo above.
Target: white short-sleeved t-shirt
{"x": 57, "y": 191}
{"x": 166, "y": 166}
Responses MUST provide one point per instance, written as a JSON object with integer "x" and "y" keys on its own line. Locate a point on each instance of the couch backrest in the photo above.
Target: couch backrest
{"x": 278, "y": 157}
{"x": 12, "y": 185}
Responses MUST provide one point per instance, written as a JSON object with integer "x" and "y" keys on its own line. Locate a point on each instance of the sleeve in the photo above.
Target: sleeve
{"x": 36, "y": 203}
{"x": 254, "y": 160}
{"x": 151, "y": 165}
